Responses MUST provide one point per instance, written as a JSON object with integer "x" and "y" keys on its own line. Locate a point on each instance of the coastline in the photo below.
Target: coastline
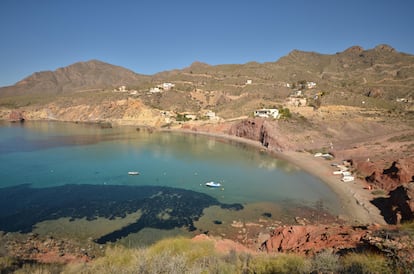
{"x": 354, "y": 198}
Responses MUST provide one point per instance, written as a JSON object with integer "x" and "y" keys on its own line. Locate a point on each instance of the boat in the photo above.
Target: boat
{"x": 213, "y": 184}
{"x": 133, "y": 173}
{"x": 348, "y": 178}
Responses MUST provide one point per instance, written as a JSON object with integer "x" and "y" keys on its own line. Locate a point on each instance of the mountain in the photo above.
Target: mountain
{"x": 92, "y": 74}
{"x": 375, "y": 76}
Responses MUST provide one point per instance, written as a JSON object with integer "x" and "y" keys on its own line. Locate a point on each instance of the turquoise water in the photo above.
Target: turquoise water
{"x": 47, "y": 155}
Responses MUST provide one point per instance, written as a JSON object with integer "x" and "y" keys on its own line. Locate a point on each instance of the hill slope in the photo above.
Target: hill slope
{"x": 76, "y": 77}
{"x": 374, "y": 77}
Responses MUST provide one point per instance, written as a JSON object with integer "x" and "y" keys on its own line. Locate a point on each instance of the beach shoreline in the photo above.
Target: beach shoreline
{"x": 354, "y": 196}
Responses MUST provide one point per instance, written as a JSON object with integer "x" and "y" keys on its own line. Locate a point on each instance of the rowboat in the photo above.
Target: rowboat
{"x": 213, "y": 184}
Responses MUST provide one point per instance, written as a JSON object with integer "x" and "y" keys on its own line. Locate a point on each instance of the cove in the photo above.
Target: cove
{"x": 63, "y": 161}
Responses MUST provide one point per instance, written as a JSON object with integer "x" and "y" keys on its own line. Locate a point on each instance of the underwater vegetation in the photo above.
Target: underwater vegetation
{"x": 22, "y": 207}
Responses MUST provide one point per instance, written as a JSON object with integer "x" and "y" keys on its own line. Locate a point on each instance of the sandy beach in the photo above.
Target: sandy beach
{"x": 354, "y": 197}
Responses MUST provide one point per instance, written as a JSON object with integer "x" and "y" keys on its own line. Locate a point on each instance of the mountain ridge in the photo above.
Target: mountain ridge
{"x": 355, "y": 71}
{"x": 80, "y": 75}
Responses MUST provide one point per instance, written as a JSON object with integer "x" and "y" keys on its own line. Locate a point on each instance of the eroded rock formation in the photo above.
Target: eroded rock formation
{"x": 386, "y": 177}
{"x": 312, "y": 239}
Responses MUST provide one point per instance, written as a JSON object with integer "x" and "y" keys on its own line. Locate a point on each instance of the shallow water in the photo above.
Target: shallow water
{"x": 79, "y": 171}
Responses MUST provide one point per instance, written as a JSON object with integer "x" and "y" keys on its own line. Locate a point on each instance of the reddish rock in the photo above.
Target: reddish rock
{"x": 16, "y": 116}
{"x": 266, "y": 131}
{"x": 249, "y": 129}
{"x": 47, "y": 250}
{"x": 312, "y": 239}
{"x": 396, "y": 179}
{"x": 387, "y": 177}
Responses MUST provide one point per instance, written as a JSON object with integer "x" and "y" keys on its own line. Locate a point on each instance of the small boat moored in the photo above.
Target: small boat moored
{"x": 348, "y": 178}
{"x": 213, "y": 184}
{"x": 133, "y": 173}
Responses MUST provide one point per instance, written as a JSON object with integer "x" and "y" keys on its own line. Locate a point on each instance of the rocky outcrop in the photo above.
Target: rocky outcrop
{"x": 32, "y": 247}
{"x": 120, "y": 112}
{"x": 267, "y": 132}
{"x": 16, "y": 116}
{"x": 249, "y": 129}
{"x": 389, "y": 177}
{"x": 312, "y": 239}
{"x": 397, "y": 180}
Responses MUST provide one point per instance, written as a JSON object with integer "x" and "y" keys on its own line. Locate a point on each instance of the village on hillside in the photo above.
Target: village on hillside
{"x": 303, "y": 94}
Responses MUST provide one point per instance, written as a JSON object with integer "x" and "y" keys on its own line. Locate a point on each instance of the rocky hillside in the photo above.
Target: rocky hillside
{"x": 374, "y": 78}
{"x": 81, "y": 76}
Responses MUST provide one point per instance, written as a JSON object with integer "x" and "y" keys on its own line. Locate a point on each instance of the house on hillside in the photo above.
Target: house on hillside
{"x": 296, "y": 93}
{"x": 211, "y": 115}
{"x": 162, "y": 87}
{"x": 155, "y": 90}
{"x": 267, "y": 113}
{"x": 121, "y": 89}
{"x": 310, "y": 84}
{"x": 190, "y": 116}
{"x": 296, "y": 102}
{"x": 166, "y": 86}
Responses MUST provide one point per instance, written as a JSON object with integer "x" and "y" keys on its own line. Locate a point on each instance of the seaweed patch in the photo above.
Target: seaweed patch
{"x": 22, "y": 207}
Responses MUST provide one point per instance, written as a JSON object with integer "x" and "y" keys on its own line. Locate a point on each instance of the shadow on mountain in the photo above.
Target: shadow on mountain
{"x": 21, "y": 207}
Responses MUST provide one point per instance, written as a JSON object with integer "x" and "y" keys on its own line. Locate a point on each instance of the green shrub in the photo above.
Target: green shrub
{"x": 379, "y": 192}
{"x": 408, "y": 227}
{"x": 117, "y": 259}
{"x": 285, "y": 113}
{"x": 365, "y": 263}
{"x": 325, "y": 262}
{"x": 181, "y": 246}
{"x": 283, "y": 263}
{"x": 6, "y": 262}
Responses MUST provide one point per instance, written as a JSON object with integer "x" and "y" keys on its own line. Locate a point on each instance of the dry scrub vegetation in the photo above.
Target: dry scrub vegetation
{"x": 181, "y": 255}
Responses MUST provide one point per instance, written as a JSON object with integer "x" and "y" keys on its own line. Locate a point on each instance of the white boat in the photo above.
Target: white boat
{"x": 348, "y": 178}
{"x": 133, "y": 173}
{"x": 213, "y": 184}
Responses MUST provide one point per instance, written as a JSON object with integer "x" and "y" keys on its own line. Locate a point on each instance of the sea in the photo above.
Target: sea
{"x": 71, "y": 180}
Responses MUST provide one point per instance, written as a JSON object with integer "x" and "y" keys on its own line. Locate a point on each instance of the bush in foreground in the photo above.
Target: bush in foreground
{"x": 180, "y": 255}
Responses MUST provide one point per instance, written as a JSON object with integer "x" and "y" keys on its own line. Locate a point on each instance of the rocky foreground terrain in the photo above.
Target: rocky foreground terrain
{"x": 361, "y": 110}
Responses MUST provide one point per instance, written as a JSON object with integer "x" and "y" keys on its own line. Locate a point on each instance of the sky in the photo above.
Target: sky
{"x": 150, "y": 36}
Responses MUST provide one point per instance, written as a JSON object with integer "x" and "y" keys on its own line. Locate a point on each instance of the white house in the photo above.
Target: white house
{"x": 249, "y": 82}
{"x": 166, "y": 86}
{"x": 155, "y": 90}
{"x": 296, "y": 102}
{"x": 211, "y": 114}
{"x": 191, "y": 116}
{"x": 121, "y": 89}
{"x": 267, "y": 113}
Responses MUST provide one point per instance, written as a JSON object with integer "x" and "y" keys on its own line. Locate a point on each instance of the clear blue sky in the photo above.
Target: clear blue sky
{"x": 150, "y": 36}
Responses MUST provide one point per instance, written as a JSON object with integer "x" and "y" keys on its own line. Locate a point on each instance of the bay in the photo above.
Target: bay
{"x": 37, "y": 157}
